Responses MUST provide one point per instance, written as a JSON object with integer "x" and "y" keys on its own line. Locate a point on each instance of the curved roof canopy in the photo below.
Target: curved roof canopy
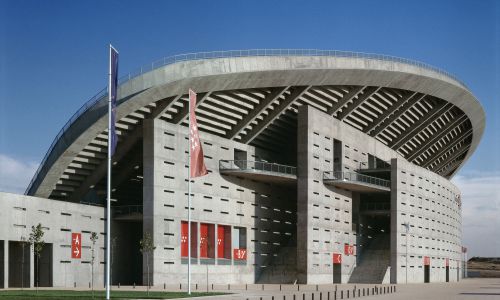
{"x": 425, "y": 114}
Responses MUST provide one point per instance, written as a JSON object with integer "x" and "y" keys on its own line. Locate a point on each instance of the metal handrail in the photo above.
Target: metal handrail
{"x": 250, "y": 165}
{"x": 368, "y": 205}
{"x": 127, "y": 209}
{"x": 229, "y": 54}
{"x": 353, "y": 176}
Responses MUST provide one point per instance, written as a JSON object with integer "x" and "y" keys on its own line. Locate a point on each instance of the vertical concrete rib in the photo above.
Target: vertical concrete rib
{"x": 394, "y": 221}
{"x": 5, "y": 264}
{"x": 303, "y": 171}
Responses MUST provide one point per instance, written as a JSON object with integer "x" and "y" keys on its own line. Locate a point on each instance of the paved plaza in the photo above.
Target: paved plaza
{"x": 477, "y": 288}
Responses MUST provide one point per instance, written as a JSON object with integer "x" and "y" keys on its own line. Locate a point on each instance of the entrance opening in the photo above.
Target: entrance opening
{"x": 240, "y": 158}
{"x": 447, "y": 274}
{"x": 126, "y": 259}
{"x": 427, "y": 273}
{"x": 337, "y": 273}
{"x": 19, "y": 264}
{"x": 43, "y": 267}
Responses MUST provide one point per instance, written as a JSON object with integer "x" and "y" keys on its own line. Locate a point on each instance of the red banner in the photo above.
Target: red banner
{"x": 197, "y": 162}
{"x": 184, "y": 239}
{"x": 76, "y": 245}
{"x": 447, "y": 262}
{"x": 349, "y": 249}
{"x": 337, "y": 258}
{"x": 203, "y": 240}
{"x": 240, "y": 254}
{"x": 427, "y": 261}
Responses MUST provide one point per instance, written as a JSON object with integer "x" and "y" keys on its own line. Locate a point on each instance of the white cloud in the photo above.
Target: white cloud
{"x": 15, "y": 174}
{"x": 480, "y": 212}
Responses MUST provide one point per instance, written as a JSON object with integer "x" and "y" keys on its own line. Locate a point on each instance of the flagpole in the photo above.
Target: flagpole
{"x": 108, "y": 199}
{"x": 189, "y": 195}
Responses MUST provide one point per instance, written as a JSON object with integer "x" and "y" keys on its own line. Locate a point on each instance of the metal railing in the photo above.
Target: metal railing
{"x": 355, "y": 177}
{"x": 255, "y": 166}
{"x": 368, "y": 205}
{"x": 126, "y": 209}
{"x": 228, "y": 54}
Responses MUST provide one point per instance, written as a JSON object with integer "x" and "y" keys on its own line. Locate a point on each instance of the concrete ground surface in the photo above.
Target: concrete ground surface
{"x": 467, "y": 289}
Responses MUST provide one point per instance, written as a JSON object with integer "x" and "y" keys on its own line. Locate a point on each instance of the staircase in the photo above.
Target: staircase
{"x": 374, "y": 261}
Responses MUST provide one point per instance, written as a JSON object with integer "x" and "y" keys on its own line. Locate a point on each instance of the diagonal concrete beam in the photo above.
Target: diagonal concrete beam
{"x": 454, "y": 155}
{"x": 121, "y": 150}
{"x": 389, "y": 111}
{"x": 183, "y": 113}
{"x": 162, "y": 106}
{"x": 438, "y": 136}
{"x": 456, "y": 140}
{"x": 398, "y": 113}
{"x": 447, "y": 171}
{"x": 296, "y": 93}
{"x": 261, "y": 107}
{"x": 351, "y": 94}
{"x": 421, "y": 124}
{"x": 367, "y": 93}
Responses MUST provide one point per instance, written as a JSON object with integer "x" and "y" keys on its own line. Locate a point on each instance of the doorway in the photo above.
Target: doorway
{"x": 427, "y": 273}
{"x": 337, "y": 273}
{"x": 447, "y": 274}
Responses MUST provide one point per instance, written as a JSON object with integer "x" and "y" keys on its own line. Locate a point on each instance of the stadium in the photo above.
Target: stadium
{"x": 324, "y": 167}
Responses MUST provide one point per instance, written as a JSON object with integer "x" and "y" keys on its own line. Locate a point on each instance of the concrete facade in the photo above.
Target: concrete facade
{"x": 318, "y": 166}
{"x": 59, "y": 219}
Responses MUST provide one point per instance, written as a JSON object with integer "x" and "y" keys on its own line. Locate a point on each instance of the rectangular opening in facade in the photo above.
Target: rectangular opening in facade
{"x": 43, "y": 267}
{"x": 337, "y": 155}
{"x": 240, "y": 245}
{"x": 19, "y": 264}
{"x": 224, "y": 244}
{"x": 207, "y": 243}
{"x": 240, "y": 158}
{"x": 193, "y": 243}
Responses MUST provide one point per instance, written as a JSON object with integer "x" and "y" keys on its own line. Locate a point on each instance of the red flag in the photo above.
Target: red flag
{"x": 198, "y": 167}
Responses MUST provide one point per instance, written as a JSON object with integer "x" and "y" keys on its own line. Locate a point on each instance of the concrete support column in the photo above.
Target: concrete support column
{"x": 395, "y": 226}
{"x": 303, "y": 175}
{"x": 32, "y": 266}
{"x": 5, "y": 264}
{"x": 149, "y": 195}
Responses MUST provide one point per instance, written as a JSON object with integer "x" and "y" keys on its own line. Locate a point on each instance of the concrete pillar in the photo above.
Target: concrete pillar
{"x": 395, "y": 227}
{"x": 32, "y": 266}
{"x": 303, "y": 194}
{"x": 149, "y": 194}
{"x": 5, "y": 264}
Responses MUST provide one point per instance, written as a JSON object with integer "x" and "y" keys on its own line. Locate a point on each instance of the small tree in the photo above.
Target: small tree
{"x": 146, "y": 245}
{"x": 36, "y": 240}
{"x": 93, "y": 238}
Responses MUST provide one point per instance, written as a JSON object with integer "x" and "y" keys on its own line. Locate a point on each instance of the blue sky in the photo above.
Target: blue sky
{"x": 53, "y": 57}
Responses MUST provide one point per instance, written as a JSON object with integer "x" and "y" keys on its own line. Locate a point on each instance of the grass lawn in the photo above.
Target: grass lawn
{"x": 86, "y": 295}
